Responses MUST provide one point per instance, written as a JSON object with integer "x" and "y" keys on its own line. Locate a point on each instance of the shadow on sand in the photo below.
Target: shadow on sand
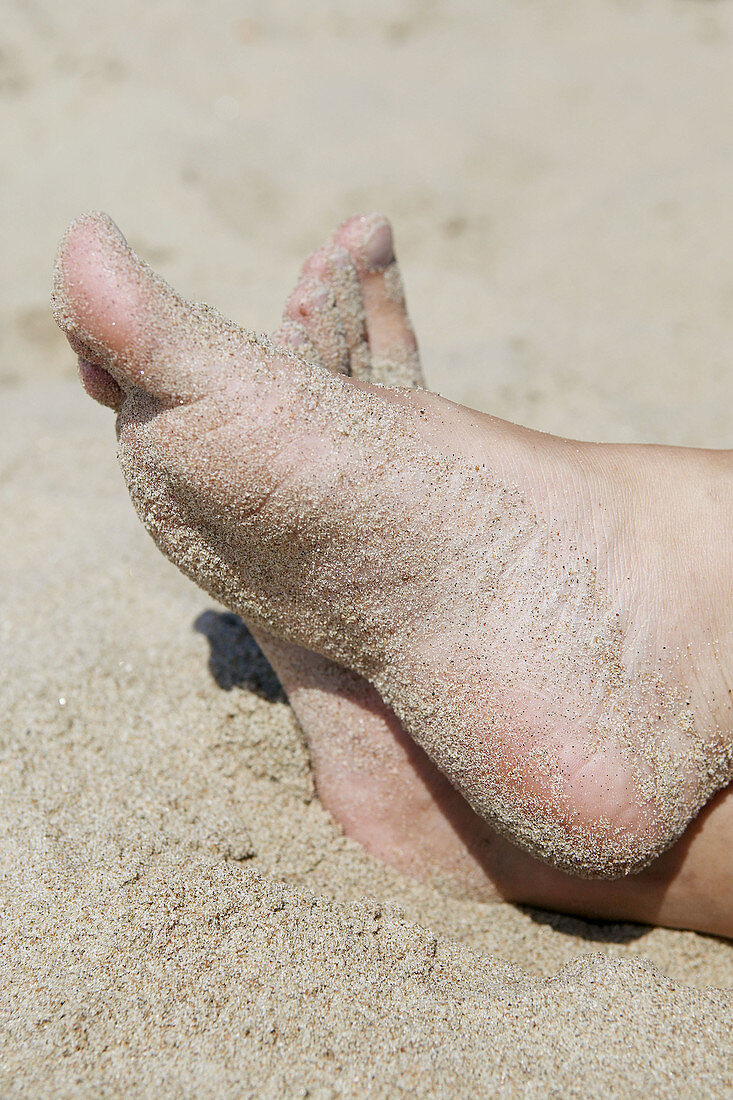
{"x": 235, "y": 659}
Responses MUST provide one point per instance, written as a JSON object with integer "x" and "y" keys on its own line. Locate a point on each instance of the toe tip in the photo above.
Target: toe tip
{"x": 368, "y": 237}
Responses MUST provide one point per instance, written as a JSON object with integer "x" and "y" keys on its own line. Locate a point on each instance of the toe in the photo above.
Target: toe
{"x": 392, "y": 343}
{"x": 312, "y": 324}
{"x": 121, "y": 317}
{"x": 323, "y": 319}
{"x": 340, "y": 274}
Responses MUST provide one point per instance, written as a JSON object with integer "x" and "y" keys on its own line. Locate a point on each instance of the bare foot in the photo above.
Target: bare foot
{"x": 542, "y": 619}
{"x": 382, "y": 787}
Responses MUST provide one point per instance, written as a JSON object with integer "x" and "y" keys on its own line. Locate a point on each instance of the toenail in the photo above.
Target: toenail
{"x": 378, "y": 246}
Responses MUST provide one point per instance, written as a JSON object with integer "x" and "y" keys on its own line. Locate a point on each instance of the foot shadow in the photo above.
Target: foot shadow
{"x": 586, "y": 928}
{"x": 235, "y": 659}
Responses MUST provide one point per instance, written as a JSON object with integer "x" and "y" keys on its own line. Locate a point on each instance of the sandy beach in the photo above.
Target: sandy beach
{"x": 179, "y": 916}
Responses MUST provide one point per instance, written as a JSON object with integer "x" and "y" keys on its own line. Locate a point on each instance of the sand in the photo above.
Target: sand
{"x": 180, "y": 916}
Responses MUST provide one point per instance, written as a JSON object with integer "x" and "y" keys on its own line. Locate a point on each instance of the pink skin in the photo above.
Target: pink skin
{"x": 100, "y": 385}
{"x": 380, "y": 786}
{"x": 405, "y": 812}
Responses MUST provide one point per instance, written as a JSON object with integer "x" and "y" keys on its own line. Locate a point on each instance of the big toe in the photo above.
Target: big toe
{"x": 123, "y": 319}
{"x": 394, "y": 356}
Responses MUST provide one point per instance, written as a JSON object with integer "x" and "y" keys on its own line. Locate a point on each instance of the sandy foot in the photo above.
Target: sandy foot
{"x": 529, "y": 607}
